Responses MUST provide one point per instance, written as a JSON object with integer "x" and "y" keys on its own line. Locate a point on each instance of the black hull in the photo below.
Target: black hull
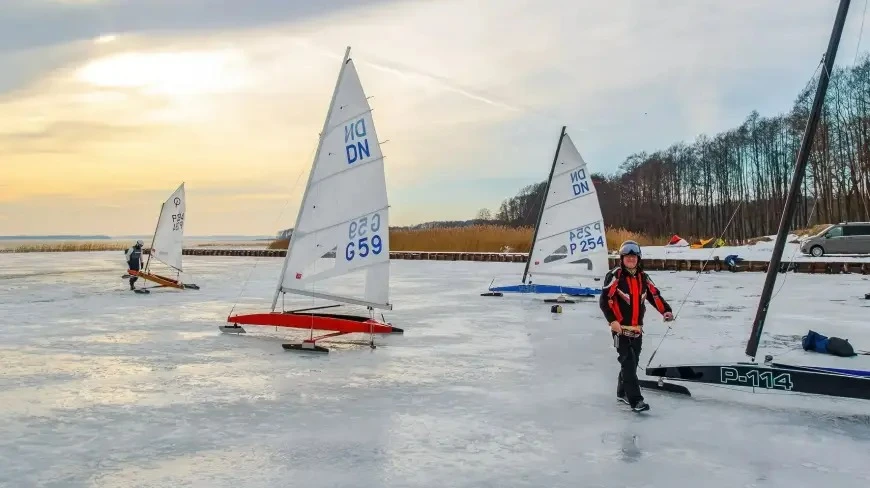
{"x": 797, "y": 379}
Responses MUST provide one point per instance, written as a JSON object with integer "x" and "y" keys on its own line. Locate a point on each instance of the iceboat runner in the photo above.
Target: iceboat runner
{"x": 569, "y": 239}
{"x": 166, "y": 244}
{"x": 344, "y": 211}
{"x": 772, "y": 375}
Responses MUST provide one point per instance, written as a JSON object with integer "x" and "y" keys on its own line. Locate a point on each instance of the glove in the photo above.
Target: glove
{"x": 615, "y": 327}
{"x": 668, "y": 316}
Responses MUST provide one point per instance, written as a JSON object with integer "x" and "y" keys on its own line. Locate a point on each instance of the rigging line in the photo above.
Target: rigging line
{"x": 816, "y": 199}
{"x": 694, "y": 282}
{"x": 704, "y": 265}
{"x": 860, "y": 33}
{"x": 274, "y": 223}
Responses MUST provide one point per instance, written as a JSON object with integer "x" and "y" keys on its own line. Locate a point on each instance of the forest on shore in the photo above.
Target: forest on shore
{"x": 693, "y": 189}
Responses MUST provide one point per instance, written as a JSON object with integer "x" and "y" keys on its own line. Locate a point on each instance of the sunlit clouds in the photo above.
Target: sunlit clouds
{"x": 97, "y": 131}
{"x": 105, "y": 39}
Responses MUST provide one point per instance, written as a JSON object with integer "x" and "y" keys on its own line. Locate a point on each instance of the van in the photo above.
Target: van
{"x": 842, "y": 238}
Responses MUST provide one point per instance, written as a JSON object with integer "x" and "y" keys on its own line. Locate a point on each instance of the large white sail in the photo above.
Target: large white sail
{"x": 169, "y": 236}
{"x": 344, "y": 208}
{"x": 570, "y": 238}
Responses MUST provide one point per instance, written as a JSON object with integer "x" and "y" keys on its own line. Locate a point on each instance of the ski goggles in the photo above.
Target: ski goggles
{"x": 629, "y": 248}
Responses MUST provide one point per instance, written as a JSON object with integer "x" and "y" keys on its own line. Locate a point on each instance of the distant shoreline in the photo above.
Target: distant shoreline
{"x": 30, "y": 244}
{"x": 70, "y": 237}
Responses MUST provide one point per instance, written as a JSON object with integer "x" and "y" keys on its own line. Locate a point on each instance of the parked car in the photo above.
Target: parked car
{"x": 842, "y": 238}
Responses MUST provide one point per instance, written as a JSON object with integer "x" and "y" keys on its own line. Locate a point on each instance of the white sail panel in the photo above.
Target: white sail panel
{"x": 364, "y": 243}
{"x": 169, "y": 236}
{"x": 571, "y": 240}
{"x": 345, "y": 207}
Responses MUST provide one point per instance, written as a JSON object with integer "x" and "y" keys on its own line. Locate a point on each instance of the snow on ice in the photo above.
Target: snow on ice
{"x": 100, "y": 387}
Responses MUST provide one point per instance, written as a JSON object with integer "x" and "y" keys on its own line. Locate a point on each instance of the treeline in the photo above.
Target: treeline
{"x": 694, "y": 189}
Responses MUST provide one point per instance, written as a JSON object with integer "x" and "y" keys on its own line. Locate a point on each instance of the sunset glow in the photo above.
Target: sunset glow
{"x": 100, "y": 118}
{"x": 169, "y": 73}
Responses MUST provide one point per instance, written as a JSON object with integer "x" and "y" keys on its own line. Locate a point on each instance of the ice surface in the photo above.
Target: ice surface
{"x": 100, "y": 387}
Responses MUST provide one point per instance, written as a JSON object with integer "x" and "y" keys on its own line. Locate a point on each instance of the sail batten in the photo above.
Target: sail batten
{"x": 347, "y": 169}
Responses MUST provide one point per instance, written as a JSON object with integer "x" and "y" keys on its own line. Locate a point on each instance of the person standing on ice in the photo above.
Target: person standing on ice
{"x": 134, "y": 260}
{"x": 622, "y": 301}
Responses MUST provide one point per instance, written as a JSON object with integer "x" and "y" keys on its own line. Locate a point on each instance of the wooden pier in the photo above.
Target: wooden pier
{"x": 715, "y": 264}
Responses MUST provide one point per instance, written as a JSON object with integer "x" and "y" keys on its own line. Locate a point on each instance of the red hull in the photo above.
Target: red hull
{"x": 345, "y": 324}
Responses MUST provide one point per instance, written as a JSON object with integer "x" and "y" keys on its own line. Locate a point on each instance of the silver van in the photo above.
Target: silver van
{"x": 842, "y": 238}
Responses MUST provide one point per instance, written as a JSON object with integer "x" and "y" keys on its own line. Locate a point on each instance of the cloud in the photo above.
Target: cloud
{"x": 231, "y": 100}
{"x": 27, "y": 24}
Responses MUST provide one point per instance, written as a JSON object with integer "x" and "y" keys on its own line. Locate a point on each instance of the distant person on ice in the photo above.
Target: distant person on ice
{"x": 622, "y": 301}
{"x": 134, "y": 260}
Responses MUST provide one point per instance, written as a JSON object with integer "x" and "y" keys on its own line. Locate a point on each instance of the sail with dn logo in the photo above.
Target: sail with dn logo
{"x": 569, "y": 241}
{"x": 166, "y": 245}
{"x": 341, "y": 231}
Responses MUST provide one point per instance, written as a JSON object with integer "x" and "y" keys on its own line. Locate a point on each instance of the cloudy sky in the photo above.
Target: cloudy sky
{"x": 107, "y": 105}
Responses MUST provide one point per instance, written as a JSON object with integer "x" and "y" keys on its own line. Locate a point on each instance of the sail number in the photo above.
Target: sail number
{"x": 178, "y": 221}
{"x": 755, "y": 379}
{"x": 363, "y": 236}
{"x": 586, "y": 238}
{"x": 579, "y": 183}
{"x": 356, "y": 141}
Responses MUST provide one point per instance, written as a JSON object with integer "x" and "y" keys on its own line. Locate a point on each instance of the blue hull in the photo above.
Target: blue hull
{"x": 551, "y": 289}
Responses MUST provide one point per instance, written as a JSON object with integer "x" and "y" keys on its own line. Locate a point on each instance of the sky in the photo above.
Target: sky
{"x": 106, "y": 106}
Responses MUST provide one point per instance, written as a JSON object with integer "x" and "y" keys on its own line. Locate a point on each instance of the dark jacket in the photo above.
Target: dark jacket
{"x": 134, "y": 258}
{"x": 623, "y": 295}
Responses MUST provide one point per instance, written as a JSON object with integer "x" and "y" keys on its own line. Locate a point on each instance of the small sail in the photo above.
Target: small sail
{"x": 345, "y": 207}
{"x": 570, "y": 239}
{"x": 168, "y": 237}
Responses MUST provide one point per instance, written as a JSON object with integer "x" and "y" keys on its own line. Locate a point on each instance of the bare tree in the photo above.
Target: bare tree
{"x": 694, "y": 189}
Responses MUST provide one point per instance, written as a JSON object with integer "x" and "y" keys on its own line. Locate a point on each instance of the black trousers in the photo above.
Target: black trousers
{"x": 133, "y": 279}
{"x": 628, "y": 349}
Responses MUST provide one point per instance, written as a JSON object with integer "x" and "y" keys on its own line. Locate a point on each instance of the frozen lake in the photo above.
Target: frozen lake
{"x": 101, "y": 387}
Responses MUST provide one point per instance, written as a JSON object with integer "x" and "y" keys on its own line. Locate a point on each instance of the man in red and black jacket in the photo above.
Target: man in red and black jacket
{"x": 622, "y": 301}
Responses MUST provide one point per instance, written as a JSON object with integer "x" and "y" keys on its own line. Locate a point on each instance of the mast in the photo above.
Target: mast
{"x": 543, "y": 203}
{"x": 797, "y": 178}
{"x": 154, "y": 236}
{"x": 310, "y": 176}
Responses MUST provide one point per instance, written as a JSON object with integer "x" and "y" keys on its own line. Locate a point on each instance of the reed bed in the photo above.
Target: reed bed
{"x": 232, "y": 244}
{"x": 484, "y": 238}
{"x": 70, "y": 246}
{"x": 476, "y": 238}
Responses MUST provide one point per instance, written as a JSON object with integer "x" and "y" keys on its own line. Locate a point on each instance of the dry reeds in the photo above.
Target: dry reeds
{"x": 279, "y": 244}
{"x": 483, "y": 238}
{"x": 615, "y": 237}
{"x": 71, "y": 246}
{"x": 475, "y": 238}
{"x": 233, "y": 244}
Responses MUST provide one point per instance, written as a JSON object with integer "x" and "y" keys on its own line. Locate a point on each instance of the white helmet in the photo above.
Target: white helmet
{"x": 140, "y": 243}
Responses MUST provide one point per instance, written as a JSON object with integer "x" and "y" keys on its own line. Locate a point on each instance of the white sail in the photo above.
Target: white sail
{"x": 570, "y": 239}
{"x": 344, "y": 208}
{"x": 168, "y": 237}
